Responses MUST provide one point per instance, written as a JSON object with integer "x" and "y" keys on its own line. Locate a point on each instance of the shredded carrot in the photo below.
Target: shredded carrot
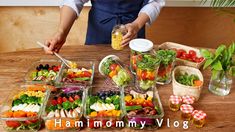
{"x": 197, "y": 83}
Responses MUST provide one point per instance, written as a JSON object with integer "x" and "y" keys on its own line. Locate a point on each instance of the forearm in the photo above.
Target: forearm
{"x": 141, "y": 20}
{"x": 67, "y": 18}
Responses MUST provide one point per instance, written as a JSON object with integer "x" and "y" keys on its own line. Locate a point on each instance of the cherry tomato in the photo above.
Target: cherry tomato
{"x": 187, "y": 56}
{"x": 86, "y": 74}
{"x": 54, "y": 102}
{"x": 64, "y": 99}
{"x": 13, "y": 124}
{"x": 59, "y": 100}
{"x": 145, "y": 104}
{"x": 113, "y": 66}
{"x": 180, "y": 52}
{"x": 131, "y": 103}
{"x": 30, "y": 121}
{"x": 144, "y": 75}
{"x": 76, "y": 97}
{"x": 197, "y": 60}
{"x": 71, "y": 99}
{"x": 201, "y": 59}
{"x": 192, "y": 53}
{"x": 150, "y": 103}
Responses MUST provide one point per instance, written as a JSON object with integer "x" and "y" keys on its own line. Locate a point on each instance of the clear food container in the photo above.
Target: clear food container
{"x": 23, "y": 108}
{"x": 138, "y": 46}
{"x": 44, "y": 72}
{"x": 65, "y": 106}
{"x": 112, "y": 68}
{"x": 167, "y": 64}
{"x": 83, "y": 74}
{"x": 147, "y": 68}
{"x": 145, "y": 108}
{"x": 104, "y": 109}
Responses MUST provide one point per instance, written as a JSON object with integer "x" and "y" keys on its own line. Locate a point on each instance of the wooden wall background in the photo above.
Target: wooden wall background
{"x": 20, "y": 27}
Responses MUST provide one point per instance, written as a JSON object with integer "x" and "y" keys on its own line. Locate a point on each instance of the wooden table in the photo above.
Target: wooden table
{"x": 220, "y": 110}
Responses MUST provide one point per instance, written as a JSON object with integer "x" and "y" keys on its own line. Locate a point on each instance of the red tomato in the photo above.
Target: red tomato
{"x": 13, "y": 124}
{"x": 197, "y": 60}
{"x": 194, "y": 58}
{"x": 145, "y": 104}
{"x": 187, "y": 56}
{"x": 30, "y": 121}
{"x": 59, "y": 100}
{"x": 76, "y": 97}
{"x": 113, "y": 66}
{"x": 131, "y": 103}
{"x": 201, "y": 59}
{"x": 192, "y": 53}
{"x": 71, "y": 99}
{"x": 64, "y": 99}
{"x": 144, "y": 75}
{"x": 86, "y": 74}
{"x": 150, "y": 103}
{"x": 54, "y": 102}
{"x": 180, "y": 52}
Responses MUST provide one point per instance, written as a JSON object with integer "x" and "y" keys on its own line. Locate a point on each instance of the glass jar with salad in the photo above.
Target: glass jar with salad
{"x": 103, "y": 108}
{"x": 147, "y": 67}
{"x": 138, "y": 46}
{"x": 145, "y": 108}
{"x": 22, "y": 110}
{"x": 64, "y": 106}
{"x": 112, "y": 68}
{"x": 168, "y": 58}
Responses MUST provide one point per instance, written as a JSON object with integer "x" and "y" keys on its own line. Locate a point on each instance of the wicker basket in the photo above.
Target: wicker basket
{"x": 171, "y": 45}
{"x": 180, "y": 89}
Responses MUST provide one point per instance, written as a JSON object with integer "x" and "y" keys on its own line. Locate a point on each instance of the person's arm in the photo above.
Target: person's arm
{"x": 69, "y": 12}
{"x": 147, "y": 15}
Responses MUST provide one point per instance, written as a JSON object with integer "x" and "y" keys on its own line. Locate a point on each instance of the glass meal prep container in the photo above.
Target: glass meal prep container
{"x": 138, "y": 46}
{"x": 65, "y": 106}
{"x": 167, "y": 64}
{"x": 112, "y": 68}
{"x": 82, "y": 73}
{"x": 147, "y": 68}
{"x": 44, "y": 72}
{"x": 22, "y": 109}
{"x": 104, "y": 108}
{"x": 145, "y": 108}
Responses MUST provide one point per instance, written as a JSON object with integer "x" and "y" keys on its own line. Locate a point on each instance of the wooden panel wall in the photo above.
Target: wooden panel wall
{"x": 20, "y": 27}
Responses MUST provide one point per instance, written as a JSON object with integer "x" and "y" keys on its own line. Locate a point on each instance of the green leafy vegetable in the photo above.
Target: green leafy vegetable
{"x": 186, "y": 79}
{"x": 105, "y": 66}
{"x": 166, "y": 56}
{"x": 67, "y": 105}
{"x": 16, "y": 102}
{"x": 148, "y": 62}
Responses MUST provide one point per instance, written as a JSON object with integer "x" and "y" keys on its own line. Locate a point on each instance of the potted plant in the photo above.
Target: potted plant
{"x": 222, "y": 63}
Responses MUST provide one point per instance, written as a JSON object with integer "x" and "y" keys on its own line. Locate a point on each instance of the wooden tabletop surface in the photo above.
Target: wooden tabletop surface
{"x": 220, "y": 110}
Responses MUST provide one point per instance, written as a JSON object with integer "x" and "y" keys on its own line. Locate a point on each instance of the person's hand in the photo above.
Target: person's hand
{"x": 132, "y": 30}
{"x": 55, "y": 43}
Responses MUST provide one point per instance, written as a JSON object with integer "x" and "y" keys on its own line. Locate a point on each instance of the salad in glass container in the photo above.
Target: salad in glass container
{"x": 168, "y": 58}
{"x": 138, "y": 46}
{"x": 43, "y": 72}
{"x": 112, "y": 68}
{"x": 81, "y": 73}
{"x": 147, "y": 68}
{"x": 64, "y": 106}
{"x": 145, "y": 108}
{"x": 22, "y": 110}
{"x": 104, "y": 108}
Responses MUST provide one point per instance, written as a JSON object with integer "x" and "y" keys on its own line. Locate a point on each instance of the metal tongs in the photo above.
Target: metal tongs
{"x": 65, "y": 61}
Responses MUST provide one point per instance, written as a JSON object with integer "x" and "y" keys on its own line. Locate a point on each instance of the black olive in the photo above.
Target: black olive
{"x": 40, "y": 66}
{"x": 46, "y": 66}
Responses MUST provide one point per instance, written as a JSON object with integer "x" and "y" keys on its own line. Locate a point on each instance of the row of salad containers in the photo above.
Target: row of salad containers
{"x": 74, "y": 107}
{"x": 62, "y": 96}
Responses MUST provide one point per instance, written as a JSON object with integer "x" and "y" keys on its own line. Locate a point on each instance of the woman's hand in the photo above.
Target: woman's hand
{"x": 55, "y": 42}
{"x": 132, "y": 30}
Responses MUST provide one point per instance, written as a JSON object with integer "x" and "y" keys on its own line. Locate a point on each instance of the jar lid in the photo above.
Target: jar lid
{"x": 141, "y": 45}
{"x": 188, "y": 99}
{"x": 199, "y": 114}
{"x": 174, "y": 99}
{"x": 185, "y": 108}
{"x": 114, "y": 57}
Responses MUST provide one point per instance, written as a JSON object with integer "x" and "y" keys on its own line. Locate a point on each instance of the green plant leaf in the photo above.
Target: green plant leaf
{"x": 207, "y": 63}
{"x": 214, "y": 74}
{"x": 219, "y": 50}
{"x": 206, "y": 53}
{"x": 233, "y": 71}
{"x": 217, "y": 66}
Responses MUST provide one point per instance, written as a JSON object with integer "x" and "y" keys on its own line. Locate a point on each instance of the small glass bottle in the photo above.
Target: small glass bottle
{"x": 117, "y": 34}
{"x": 199, "y": 118}
{"x": 186, "y": 111}
{"x": 186, "y": 99}
{"x": 175, "y": 102}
